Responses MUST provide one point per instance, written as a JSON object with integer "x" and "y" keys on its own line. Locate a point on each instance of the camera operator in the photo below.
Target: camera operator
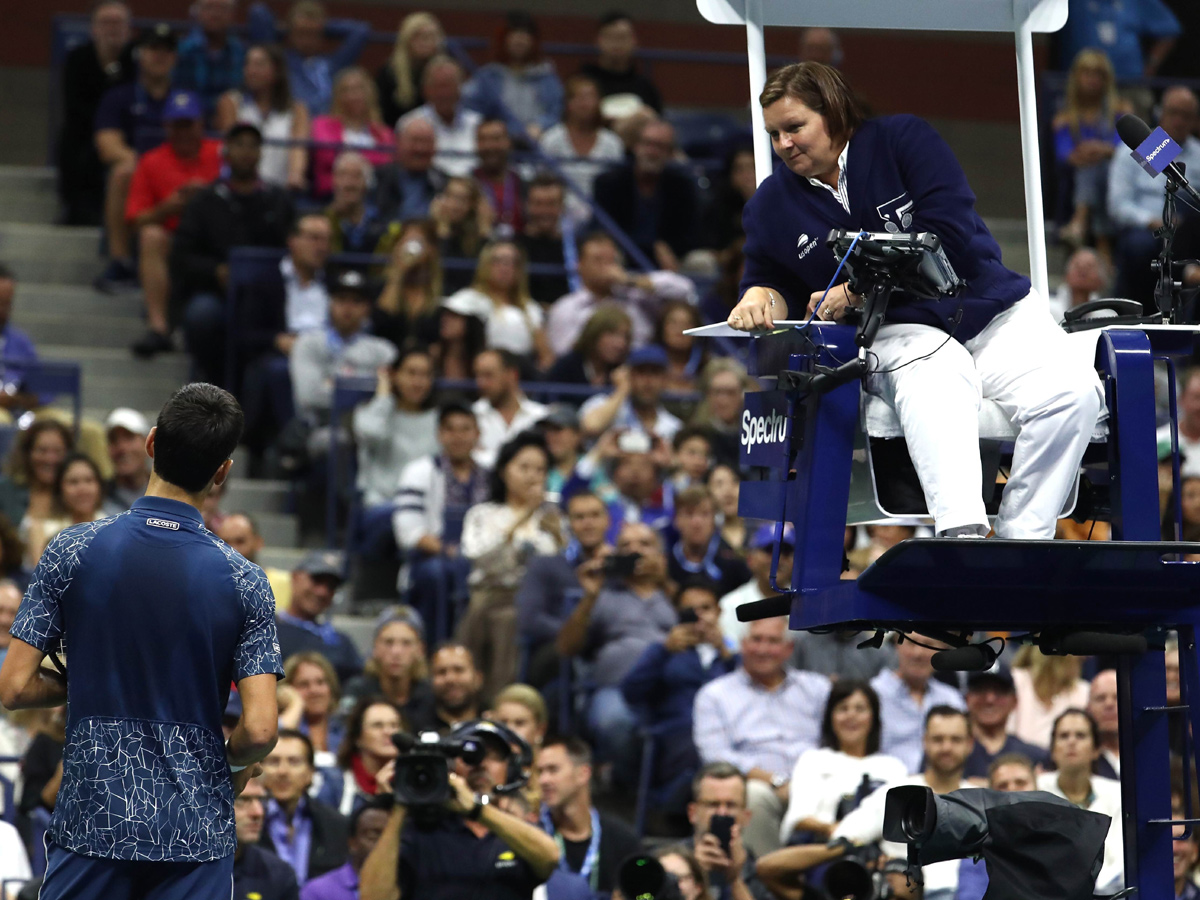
{"x": 472, "y": 849}
{"x": 624, "y": 609}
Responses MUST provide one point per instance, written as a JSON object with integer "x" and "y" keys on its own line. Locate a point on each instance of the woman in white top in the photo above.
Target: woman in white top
{"x": 1046, "y": 687}
{"x": 396, "y": 426}
{"x": 499, "y": 296}
{"x": 834, "y": 772}
{"x": 499, "y": 537}
{"x": 580, "y": 141}
{"x": 1074, "y": 749}
{"x": 266, "y": 102}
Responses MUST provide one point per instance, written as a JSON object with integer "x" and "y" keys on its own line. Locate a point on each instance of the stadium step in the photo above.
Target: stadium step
{"x": 277, "y": 529}
{"x": 73, "y": 300}
{"x": 281, "y": 557}
{"x": 51, "y": 254}
{"x": 112, "y": 376}
{"x": 27, "y": 194}
{"x": 256, "y": 496}
{"x": 60, "y": 328}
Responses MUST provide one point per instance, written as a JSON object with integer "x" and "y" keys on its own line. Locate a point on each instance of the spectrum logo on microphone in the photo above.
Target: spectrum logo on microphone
{"x": 1156, "y": 152}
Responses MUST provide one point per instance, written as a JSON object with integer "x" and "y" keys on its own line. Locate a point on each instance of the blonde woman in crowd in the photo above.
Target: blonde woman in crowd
{"x": 419, "y": 39}
{"x": 308, "y": 697}
{"x": 1046, "y": 687}
{"x": 1085, "y": 137}
{"x": 354, "y": 123}
{"x": 499, "y": 296}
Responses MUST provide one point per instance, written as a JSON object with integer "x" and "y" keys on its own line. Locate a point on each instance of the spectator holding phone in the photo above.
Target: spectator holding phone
{"x": 623, "y": 610}
{"x": 667, "y": 675}
{"x": 718, "y": 813}
{"x": 636, "y": 399}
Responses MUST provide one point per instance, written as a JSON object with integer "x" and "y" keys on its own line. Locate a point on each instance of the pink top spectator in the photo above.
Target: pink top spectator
{"x": 377, "y": 147}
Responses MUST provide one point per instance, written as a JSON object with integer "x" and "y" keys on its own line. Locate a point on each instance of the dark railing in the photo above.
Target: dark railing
{"x": 349, "y": 392}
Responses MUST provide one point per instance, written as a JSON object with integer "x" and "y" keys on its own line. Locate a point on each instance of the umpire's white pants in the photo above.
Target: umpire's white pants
{"x": 1022, "y": 362}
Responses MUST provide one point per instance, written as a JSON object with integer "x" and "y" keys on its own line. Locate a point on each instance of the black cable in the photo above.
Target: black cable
{"x": 1090, "y": 530}
{"x": 953, "y": 328}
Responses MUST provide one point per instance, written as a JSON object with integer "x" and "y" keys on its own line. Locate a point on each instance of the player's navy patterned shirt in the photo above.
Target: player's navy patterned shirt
{"x": 160, "y": 616}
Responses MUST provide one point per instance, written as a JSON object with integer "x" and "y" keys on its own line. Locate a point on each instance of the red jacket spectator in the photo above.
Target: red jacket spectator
{"x": 162, "y": 171}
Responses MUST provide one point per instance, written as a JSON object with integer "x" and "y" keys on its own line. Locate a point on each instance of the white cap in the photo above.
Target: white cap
{"x": 129, "y": 419}
{"x": 468, "y": 302}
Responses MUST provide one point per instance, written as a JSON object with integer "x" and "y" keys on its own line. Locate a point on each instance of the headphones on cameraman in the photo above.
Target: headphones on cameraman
{"x": 520, "y": 754}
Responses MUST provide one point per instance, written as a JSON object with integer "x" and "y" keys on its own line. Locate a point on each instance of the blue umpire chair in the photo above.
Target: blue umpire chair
{"x": 813, "y": 467}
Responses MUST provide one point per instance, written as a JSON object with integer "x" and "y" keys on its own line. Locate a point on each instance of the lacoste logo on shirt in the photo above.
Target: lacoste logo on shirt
{"x": 163, "y": 523}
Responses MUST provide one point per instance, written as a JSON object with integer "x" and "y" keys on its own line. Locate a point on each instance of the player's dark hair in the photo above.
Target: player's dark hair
{"x": 6, "y": 273}
{"x": 197, "y": 430}
{"x": 310, "y": 751}
{"x": 821, "y": 88}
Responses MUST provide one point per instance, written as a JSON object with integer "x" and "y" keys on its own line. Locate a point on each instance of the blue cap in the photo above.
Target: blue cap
{"x": 650, "y": 355}
{"x": 182, "y": 105}
{"x": 766, "y": 537}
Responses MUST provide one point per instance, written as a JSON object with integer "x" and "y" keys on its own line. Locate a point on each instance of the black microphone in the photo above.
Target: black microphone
{"x": 1133, "y": 132}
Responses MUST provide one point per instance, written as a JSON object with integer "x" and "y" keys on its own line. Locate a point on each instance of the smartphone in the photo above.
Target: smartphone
{"x": 688, "y": 617}
{"x": 721, "y": 827}
{"x": 620, "y": 565}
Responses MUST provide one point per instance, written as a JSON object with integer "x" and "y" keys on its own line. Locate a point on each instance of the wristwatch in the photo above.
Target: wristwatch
{"x": 778, "y": 781}
{"x": 481, "y": 800}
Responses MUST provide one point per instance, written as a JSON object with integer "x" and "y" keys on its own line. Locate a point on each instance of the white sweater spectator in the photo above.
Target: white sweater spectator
{"x": 507, "y": 327}
{"x": 321, "y": 356}
{"x": 828, "y": 776}
{"x": 865, "y": 826}
{"x": 388, "y": 439}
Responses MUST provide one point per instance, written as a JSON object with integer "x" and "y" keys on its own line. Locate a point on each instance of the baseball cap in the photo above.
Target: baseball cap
{"x": 322, "y": 562}
{"x": 129, "y": 419}
{"x": 348, "y": 281}
{"x": 561, "y": 416}
{"x": 650, "y": 355}
{"x": 766, "y": 537}
{"x": 182, "y": 105}
{"x": 997, "y": 675}
{"x": 159, "y": 35}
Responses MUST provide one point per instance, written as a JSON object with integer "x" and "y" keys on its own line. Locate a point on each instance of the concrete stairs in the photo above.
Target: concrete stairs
{"x": 69, "y": 320}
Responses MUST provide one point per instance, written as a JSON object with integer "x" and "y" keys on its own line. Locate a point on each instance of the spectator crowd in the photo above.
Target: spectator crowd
{"x": 470, "y": 244}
